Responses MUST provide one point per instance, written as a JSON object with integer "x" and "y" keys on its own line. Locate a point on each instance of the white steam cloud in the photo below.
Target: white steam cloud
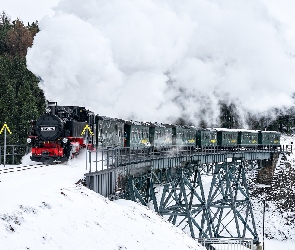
{"x": 158, "y": 60}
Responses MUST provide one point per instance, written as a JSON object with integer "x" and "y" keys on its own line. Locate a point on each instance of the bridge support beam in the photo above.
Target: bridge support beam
{"x": 204, "y": 200}
{"x": 230, "y": 207}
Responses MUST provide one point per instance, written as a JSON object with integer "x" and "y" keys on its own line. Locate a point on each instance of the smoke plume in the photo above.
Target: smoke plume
{"x": 160, "y": 60}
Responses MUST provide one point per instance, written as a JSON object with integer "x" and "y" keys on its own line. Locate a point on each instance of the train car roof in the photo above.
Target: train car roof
{"x": 245, "y": 130}
{"x": 266, "y": 131}
{"x": 236, "y": 130}
{"x": 155, "y": 124}
{"x": 131, "y": 122}
{"x": 207, "y": 129}
{"x": 180, "y": 126}
{"x": 105, "y": 118}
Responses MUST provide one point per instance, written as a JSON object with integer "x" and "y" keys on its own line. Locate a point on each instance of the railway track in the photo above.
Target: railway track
{"x": 19, "y": 168}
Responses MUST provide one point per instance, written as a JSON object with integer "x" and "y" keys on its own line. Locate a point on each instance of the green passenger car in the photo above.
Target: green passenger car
{"x": 227, "y": 137}
{"x": 248, "y": 138}
{"x": 206, "y": 138}
{"x": 269, "y": 138}
{"x": 136, "y": 135}
{"x": 109, "y": 132}
{"x": 160, "y": 135}
{"x": 183, "y": 135}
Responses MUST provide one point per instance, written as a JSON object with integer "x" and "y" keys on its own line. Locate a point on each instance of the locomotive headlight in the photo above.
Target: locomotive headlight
{"x": 29, "y": 140}
{"x": 65, "y": 140}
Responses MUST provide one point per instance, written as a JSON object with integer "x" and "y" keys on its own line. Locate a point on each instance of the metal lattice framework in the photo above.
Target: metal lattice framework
{"x": 205, "y": 200}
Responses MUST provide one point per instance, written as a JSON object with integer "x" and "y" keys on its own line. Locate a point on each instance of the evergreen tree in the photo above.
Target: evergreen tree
{"x": 21, "y": 100}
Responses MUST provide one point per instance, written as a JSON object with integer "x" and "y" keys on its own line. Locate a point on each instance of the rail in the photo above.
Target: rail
{"x": 8, "y": 170}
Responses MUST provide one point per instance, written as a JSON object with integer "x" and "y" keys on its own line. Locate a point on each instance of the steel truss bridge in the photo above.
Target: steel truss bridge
{"x": 204, "y": 192}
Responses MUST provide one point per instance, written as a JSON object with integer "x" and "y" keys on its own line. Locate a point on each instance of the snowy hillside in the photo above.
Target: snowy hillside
{"x": 43, "y": 208}
{"x": 280, "y": 206}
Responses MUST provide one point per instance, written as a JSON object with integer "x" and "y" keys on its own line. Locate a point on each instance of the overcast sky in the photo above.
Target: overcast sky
{"x": 28, "y": 10}
{"x": 31, "y": 10}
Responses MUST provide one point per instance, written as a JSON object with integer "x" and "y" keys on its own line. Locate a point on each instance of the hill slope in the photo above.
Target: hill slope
{"x": 43, "y": 208}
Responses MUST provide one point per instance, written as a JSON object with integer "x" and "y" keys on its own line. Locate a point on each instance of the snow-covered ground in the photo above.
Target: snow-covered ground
{"x": 278, "y": 225}
{"x": 43, "y": 208}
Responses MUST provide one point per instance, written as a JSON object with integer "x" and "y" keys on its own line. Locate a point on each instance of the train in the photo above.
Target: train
{"x": 63, "y": 131}
{"x": 56, "y": 135}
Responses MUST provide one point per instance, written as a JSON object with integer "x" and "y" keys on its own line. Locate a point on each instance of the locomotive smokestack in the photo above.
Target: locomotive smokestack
{"x": 52, "y": 107}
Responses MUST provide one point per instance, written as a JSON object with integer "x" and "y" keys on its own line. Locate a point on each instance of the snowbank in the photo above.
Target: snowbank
{"x": 43, "y": 209}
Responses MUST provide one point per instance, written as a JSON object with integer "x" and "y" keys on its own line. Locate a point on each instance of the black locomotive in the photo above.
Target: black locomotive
{"x": 57, "y": 135}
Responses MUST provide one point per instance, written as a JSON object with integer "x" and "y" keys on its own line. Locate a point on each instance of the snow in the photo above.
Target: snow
{"x": 279, "y": 225}
{"x": 43, "y": 208}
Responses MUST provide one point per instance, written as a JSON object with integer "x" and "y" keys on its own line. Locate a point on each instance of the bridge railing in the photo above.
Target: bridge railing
{"x": 227, "y": 243}
{"x": 110, "y": 158}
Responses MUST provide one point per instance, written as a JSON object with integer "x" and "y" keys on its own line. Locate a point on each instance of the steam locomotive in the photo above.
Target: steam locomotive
{"x": 58, "y": 135}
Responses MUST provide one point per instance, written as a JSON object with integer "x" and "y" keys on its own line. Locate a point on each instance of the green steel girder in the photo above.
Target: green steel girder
{"x": 229, "y": 203}
{"x": 178, "y": 194}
